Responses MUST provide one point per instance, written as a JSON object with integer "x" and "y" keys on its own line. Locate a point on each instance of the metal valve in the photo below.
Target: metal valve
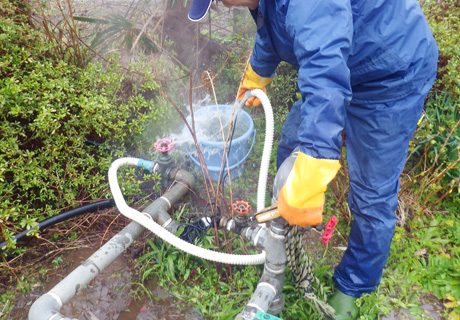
{"x": 164, "y": 160}
{"x": 164, "y": 145}
{"x": 241, "y": 207}
{"x": 241, "y": 210}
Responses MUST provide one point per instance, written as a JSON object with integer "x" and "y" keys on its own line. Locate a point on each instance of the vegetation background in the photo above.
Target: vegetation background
{"x": 83, "y": 83}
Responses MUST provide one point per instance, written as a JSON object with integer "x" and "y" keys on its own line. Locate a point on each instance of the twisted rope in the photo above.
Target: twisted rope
{"x": 302, "y": 271}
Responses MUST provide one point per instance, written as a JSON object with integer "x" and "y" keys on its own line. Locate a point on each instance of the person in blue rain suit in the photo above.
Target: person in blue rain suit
{"x": 365, "y": 68}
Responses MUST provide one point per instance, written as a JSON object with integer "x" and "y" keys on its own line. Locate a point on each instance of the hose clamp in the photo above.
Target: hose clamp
{"x": 266, "y": 284}
{"x": 55, "y": 297}
{"x": 167, "y": 200}
{"x": 276, "y": 236}
{"x": 279, "y": 271}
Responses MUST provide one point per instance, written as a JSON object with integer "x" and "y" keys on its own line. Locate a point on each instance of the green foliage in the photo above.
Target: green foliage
{"x": 215, "y": 294}
{"x": 283, "y": 93}
{"x": 435, "y": 265}
{"x": 49, "y": 110}
{"x": 116, "y": 28}
{"x": 434, "y": 160}
{"x": 423, "y": 261}
{"x": 197, "y": 283}
{"x": 373, "y": 305}
{"x": 299, "y": 307}
{"x": 230, "y": 68}
{"x": 443, "y": 133}
{"x": 444, "y": 19}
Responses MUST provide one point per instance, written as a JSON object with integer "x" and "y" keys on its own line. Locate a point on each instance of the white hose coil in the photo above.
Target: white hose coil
{"x": 165, "y": 235}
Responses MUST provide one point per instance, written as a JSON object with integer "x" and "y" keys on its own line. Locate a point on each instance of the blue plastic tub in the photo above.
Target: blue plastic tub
{"x": 213, "y": 151}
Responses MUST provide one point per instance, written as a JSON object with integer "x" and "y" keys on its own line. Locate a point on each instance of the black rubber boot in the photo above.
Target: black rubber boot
{"x": 344, "y": 306}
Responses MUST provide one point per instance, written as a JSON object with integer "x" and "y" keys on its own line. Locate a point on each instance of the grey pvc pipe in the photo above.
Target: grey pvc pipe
{"x": 48, "y": 305}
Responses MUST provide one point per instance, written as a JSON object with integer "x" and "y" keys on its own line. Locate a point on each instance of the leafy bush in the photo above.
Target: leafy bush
{"x": 118, "y": 29}
{"x": 434, "y": 160}
{"x": 444, "y": 19}
{"x": 49, "y": 111}
{"x": 283, "y": 93}
{"x": 443, "y": 132}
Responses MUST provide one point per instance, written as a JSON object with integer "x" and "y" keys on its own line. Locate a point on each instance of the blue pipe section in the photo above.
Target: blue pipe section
{"x": 146, "y": 164}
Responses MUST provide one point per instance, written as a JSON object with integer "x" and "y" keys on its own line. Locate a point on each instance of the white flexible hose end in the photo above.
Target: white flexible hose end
{"x": 166, "y": 235}
{"x": 268, "y": 144}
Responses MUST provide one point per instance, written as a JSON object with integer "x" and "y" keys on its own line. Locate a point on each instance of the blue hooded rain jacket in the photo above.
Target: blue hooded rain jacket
{"x": 366, "y": 67}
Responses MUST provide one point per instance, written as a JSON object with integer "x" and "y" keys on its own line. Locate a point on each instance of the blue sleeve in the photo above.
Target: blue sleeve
{"x": 264, "y": 60}
{"x": 322, "y": 31}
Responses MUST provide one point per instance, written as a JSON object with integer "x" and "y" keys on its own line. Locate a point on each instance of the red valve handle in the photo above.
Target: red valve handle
{"x": 241, "y": 207}
{"x": 163, "y": 145}
{"x": 329, "y": 229}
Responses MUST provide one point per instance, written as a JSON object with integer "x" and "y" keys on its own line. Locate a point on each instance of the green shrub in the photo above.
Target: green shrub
{"x": 49, "y": 111}
{"x": 230, "y": 68}
{"x": 434, "y": 161}
{"x": 444, "y": 19}
{"x": 283, "y": 93}
{"x": 443, "y": 132}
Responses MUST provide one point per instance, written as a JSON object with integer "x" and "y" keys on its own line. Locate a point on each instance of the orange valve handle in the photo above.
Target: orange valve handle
{"x": 241, "y": 207}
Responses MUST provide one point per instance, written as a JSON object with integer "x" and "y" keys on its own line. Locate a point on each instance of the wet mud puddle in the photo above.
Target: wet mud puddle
{"x": 116, "y": 293}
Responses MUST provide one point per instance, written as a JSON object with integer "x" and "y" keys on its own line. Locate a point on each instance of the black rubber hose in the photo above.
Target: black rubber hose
{"x": 63, "y": 216}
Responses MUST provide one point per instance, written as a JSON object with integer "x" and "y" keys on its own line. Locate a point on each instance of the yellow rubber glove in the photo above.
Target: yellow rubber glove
{"x": 251, "y": 81}
{"x": 301, "y": 200}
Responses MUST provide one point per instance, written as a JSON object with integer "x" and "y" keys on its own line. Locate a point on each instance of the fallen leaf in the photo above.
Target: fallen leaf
{"x": 421, "y": 252}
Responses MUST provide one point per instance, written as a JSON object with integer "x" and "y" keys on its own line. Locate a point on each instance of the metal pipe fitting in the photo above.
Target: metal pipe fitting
{"x": 268, "y": 296}
{"x": 164, "y": 160}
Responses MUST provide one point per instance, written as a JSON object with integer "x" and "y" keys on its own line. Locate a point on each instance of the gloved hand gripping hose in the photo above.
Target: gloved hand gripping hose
{"x": 148, "y": 223}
